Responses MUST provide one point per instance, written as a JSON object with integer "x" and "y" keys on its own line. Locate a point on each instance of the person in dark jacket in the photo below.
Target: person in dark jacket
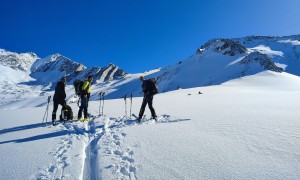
{"x": 85, "y": 97}
{"x": 148, "y": 98}
{"x": 59, "y": 98}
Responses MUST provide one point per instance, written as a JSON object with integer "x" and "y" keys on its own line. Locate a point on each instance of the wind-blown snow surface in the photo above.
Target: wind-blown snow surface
{"x": 246, "y": 128}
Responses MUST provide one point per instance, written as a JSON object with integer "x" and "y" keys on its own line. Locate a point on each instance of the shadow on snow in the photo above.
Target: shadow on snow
{"x": 25, "y": 127}
{"x": 38, "y": 137}
{"x": 118, "y": 123}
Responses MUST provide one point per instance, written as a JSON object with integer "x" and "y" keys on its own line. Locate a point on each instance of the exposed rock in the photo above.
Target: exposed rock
{"x": 226, "y": 46}
{"x": 264, "y": 61}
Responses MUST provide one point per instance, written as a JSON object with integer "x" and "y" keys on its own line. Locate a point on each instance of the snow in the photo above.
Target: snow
{"x": 50, "y": 76}
{"x": 266, "y": 50}
{"x": 244, "y": 125}
{"x": 40, "y": 62}
{"x": 283, "y": 66}
{"x": 293, "y": 42}
{"x": 246, "y": 128}
{"x": 16, "y": 76}
{"x": 236, "y": 61}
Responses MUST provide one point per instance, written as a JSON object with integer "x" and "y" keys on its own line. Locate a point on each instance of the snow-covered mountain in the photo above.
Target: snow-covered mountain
{"x": 245, "y": 128}
{"x": 52, "y": 68}
{"x": 217, "y": 61}
{"x": 26, "y": 75}
{"x": 220, "y": 60}
{"x": 14, "y": 70}
{"x": 284, "y": 51}
{"x": 17, "y": 61}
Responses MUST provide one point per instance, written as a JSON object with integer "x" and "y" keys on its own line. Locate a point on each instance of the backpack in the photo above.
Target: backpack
{"x": 66, "y": 115}
{"x": 153, "y": 86}
{"x": 78, "y": 86}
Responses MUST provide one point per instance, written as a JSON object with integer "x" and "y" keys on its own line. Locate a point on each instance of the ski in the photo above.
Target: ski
{"x": 138, "y": 119}
{"x": 144, "y": 119}
{"x": 125, "y": 99}
{"x": 46, "y": 112}
{"x": 103, "y": 94}
{"x": 100, "y": 94}
{"x": 133, "y": 120}
{"x": 130, "y": 104}
{"x": 63, "y": 122}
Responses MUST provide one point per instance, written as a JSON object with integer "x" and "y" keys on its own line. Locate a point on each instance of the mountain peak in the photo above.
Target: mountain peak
{"x": 57, "y": 65}
{"x": 226, "y": 46}
{"x": 17, "y": 61}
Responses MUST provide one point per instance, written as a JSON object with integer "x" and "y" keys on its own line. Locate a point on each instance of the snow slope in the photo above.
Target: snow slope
{"x": 246, "y": 128}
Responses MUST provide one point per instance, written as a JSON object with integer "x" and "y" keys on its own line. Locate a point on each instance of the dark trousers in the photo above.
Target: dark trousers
{"x": 55, "y": 107}
{"x": 148, "y": 99}
{"x": 84, "y": 106}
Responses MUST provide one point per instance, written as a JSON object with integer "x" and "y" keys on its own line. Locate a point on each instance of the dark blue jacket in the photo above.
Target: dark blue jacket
{"x": 59, "y": 94}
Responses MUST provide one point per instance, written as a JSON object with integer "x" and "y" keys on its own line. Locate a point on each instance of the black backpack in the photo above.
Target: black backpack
{"x": 78, "y": 86}
{"x": 66, "y": 115}
{"x": 153, "y": 86}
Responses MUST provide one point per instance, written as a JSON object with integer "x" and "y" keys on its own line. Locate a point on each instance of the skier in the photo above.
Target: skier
{"x": 85, "y": 96}
{"x": 149, "y": 90}
{"x": 59, "y": 98}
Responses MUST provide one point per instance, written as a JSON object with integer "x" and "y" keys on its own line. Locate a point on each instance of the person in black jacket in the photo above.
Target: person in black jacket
{"x": 59, "y": 97}
{"x": 148, "y": 98}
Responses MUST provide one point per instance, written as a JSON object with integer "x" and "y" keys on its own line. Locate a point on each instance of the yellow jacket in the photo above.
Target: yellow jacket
{"x": 86, "y": 87}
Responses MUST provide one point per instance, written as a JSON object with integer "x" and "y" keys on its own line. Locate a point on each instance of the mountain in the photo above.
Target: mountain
{"x": 52, "y": 68}
{"x": 16, "y": 61}
{"x": 215, "y": 62}
{"x": 284, "y": 51}
{"x": 220, "y": 60}
{"x": 14, "y": 70}
{"x": 28, "y": 75}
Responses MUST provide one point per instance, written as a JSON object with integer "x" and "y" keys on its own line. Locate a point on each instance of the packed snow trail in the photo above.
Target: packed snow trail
{"x": 88, "y": 134}
{"x": 106, "y": 130}
{"x": 91, "y": 167}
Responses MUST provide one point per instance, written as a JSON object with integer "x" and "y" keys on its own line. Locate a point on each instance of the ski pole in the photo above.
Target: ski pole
{"x": 78, "y": 101}
{"x": 100, "y": 93}
{"x": 125, "y": 106}
{"x": 46, "y": 112}
{"x": 103, "y": 93}
{"x": 130, "y": 104}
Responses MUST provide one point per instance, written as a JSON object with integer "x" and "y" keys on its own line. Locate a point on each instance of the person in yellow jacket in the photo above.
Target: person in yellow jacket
{"x": 85, "y": 96}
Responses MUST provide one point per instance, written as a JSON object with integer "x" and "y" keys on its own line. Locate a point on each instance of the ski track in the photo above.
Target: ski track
{"x": 110, "y": 131}
{"x": 91, "y": 166}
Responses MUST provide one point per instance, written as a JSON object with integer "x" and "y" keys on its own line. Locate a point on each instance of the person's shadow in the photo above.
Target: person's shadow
{"x": 25, "y": 127}
{"x": 76, "y": 130}
{"x": 33, "y": 138}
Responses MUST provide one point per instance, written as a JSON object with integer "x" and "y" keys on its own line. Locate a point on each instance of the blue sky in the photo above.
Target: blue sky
{"x": 137, "y": 35}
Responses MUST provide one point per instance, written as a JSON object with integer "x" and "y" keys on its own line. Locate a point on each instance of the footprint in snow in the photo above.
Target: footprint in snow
{"x": 118, "y": 153}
